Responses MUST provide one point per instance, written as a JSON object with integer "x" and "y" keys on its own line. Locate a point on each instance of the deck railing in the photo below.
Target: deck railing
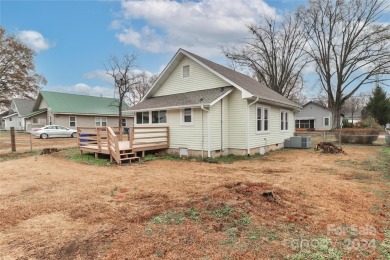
{"x": 113, "y": 145}
{"x": 139, "y": 139}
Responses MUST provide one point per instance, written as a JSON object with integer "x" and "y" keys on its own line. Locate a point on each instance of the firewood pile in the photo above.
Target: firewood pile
{"x": 328, "y": 147}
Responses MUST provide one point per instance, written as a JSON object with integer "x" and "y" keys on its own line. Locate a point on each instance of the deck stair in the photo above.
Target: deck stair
{"x": 128, "y": 156}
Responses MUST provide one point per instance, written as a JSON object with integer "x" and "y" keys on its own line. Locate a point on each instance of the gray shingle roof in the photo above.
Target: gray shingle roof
{"x": 24, "y": 106}
{"x": 251, "y": 85}
{"x": 201, "y": 97}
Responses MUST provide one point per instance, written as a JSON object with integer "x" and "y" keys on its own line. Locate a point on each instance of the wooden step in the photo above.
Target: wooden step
{"x": 130, "y": 158}
{"x": 127, "y": 154}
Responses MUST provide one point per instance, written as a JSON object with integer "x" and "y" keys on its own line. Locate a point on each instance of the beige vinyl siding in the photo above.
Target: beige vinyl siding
{"x": 43, "y": 104}
{"x": 187, "y": 136}
{"x": 86, "y": 121}
{"x": 237, "y": 120}
{"x": 225, "y": 104}
{"x": 275, "y": 135}
{"x": 216, "y": 127}
{"x": 199, "y": 79}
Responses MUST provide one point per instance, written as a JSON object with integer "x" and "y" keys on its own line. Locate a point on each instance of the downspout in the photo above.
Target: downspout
{"x": 247, "y": 125}
{"x": 222, "y": 148}
{"x": 208, "y": 131}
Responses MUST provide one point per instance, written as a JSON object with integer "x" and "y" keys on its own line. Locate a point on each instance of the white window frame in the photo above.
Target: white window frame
{"x": 282, "y": 119}
{"x": 142, "y": 123}
{"x": 158, "y": 123}
{"x": 124, "y": 120}
{"x": 184, "y": 74}
{"x": 182, "y": 116}
{"x": 262, "y": 109}
{"x": 100, "y": 121}
{"x": 75, "y": 121}
{"x": 327, "y": 117}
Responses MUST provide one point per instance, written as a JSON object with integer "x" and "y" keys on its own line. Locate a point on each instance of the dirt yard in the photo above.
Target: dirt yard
{"x": 295, "y": 204}
{"x": 22, "y": 141}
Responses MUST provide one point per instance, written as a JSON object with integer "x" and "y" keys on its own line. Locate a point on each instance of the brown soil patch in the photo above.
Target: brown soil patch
{"x": 55, "y": 209}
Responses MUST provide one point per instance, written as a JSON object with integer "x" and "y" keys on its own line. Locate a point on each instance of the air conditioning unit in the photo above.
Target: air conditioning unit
{"x": 298, "y": 142}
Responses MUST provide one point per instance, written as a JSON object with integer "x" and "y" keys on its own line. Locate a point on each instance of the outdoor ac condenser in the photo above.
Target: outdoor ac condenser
{"x": 298, "y": 142}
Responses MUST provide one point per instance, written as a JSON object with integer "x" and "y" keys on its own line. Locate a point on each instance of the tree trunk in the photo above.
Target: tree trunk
{"x": 336, "y": 115}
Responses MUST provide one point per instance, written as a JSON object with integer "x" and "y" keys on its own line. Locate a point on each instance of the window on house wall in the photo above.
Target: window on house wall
{"x": 159, "y": 117}
{"x": 284, "y": 120}
{"x": 326, "y": 121}
{"x": 10, "y": 119}
{"x": 123, "y": 122}
{"x": 72, "y": 121}
{"x": 35, "y": 120}
{"x": 142, "y": 117}
{"x": 262, "y": 119}
{"x": 187, "y": 116}
{"x": 186, "y": 71}
{"x": 100, "y": 121}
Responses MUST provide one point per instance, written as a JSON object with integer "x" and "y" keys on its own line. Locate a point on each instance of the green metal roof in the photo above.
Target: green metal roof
{"x": 40, "y": 111}
{"x": 80, "y": 104}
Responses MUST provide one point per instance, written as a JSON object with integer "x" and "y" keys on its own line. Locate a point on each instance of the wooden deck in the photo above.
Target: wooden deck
{"x": 122, "y": 147}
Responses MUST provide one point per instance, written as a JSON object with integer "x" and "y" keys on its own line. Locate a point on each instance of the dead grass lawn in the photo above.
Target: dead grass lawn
{"x": 52, "y": 208}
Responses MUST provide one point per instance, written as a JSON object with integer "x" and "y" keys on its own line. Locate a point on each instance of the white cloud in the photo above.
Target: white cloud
{"x": 201, "y": 26}
{"x": 34, "y": 40}
{"x": 85, "y": 89}
{"x": 99, "y": 74}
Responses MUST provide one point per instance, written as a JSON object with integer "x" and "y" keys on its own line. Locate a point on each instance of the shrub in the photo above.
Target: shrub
{"x": 358, "y": 135}
{"x": 368, "y": 123}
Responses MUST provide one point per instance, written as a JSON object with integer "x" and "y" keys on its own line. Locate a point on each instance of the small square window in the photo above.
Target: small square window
{"x": 123, "y": 122}
{"x": 326, "y": 121}
{"x": 186, "y": 71}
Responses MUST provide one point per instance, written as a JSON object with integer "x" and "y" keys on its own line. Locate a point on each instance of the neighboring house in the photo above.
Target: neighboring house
{"x": 2, "y": 122}
{"x": 314, "y": 116}
{"x": 357, "y": 117}
{"x": 212, "y": 110}
{"x": 71, "y": 110}
{"x": 17, "y": 114}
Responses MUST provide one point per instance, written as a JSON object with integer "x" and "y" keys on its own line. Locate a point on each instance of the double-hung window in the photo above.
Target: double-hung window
{"x": 284, "y": 120}
{"x": 72, "y": 121}
{"x": 187, "y": 116}
{"x": 159, "y": 117}
{"x": 143, "y": 117}
{"x": 262, "y": 119}
{"x": 100, "y": 121}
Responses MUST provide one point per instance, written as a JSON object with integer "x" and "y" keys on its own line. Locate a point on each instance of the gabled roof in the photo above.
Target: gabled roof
{"x": 23, "y": 106}
{"x": 317, "y": 104}
{"x": 189, "y": 99}
{"x": 249, "y": 86}
{"x": 40, "y": 111}
{"x": 64, "y": 103}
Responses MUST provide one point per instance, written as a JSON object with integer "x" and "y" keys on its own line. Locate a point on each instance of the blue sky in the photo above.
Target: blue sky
{"x": 74, "y": 39}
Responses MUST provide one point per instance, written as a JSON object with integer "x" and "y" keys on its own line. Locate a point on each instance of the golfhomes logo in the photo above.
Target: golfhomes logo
{"x": 338, "y": 237}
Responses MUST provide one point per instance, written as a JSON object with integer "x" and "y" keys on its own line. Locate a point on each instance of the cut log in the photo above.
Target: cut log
{"x": 328, "y": 147}
{"x": 49, "y": 150}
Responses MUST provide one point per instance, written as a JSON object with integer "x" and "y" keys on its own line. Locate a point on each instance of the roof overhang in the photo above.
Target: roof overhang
{"x": 276, "y": 102}
{"x": 14, "y": 114}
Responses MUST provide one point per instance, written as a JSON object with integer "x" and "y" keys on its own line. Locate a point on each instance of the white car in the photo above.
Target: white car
{"x": 53, "y": 131}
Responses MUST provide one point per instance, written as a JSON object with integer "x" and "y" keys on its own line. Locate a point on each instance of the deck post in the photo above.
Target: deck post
{"x": 99, "y": 141}
{"x": 167, "y": 129}
{"x": 131, "y": 137}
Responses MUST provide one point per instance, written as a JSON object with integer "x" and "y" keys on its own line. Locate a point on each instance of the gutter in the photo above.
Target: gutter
{"x": 247, "y": 125}
{"x": 208, "y": 132}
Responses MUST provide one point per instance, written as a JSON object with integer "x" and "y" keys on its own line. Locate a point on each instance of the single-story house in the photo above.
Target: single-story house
{"x": 212, "y": 110}
{"x": 314, "y": 116}
{"x": 71, "y": 110}
{"x": 17, "y": 114}
{"x": 2, "y": 122}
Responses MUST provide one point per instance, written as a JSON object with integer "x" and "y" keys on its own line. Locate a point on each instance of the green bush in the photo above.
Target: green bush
{"x": 358, "y": 135}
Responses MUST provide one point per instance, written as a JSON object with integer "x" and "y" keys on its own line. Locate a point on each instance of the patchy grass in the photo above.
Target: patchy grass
{"x": 17, "y": 155}
{"x": 88, "y": 158}
{"x": 221, "y": 159}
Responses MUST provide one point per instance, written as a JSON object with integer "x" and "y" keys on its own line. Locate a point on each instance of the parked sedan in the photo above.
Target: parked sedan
{"x": 53, "y": 131}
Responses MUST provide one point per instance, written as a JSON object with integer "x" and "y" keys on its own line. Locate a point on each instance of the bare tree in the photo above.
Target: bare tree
{"x": 275, "y": 54}
{"x": 143, "y": 82}
{"x": 121, "y": 70}
{"x": 348, "y": 45}
{"x": 17, "y": 70}
{"x": 353, "y": 105}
